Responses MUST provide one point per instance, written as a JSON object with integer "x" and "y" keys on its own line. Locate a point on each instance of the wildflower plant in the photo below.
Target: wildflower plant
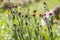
{"x": 34, "y": 26}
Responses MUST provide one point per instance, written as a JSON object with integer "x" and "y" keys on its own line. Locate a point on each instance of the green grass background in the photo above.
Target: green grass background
{"x": 5, "y": 24}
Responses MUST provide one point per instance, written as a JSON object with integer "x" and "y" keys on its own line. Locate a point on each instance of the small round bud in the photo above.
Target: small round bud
{"x": 19, "y": 13}
{"x": 44, "y": 14}
{"x": 26, "y": 16}
{"x": 34, "y": 11}
{"x": 44, "y": 3}
{"x": 41, "y": 15}
{"x": 14, "y": 24}
{"x": 34, "y": 15}
{"x": 50, "y": 14}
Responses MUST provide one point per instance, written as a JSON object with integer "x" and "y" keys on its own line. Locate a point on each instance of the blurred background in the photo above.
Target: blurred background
{"x": 10, "y": 19}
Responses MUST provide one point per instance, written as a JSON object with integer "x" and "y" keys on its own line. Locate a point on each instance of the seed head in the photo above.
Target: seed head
{"x": 44, "y": 3}
{"x": 19, "y": 13}
{"x": 44, "y": 14}
{"x": 40, "y": 25}
{"x": 50, "y": 14}
{"x": 34, "y": 15}
{"x": 41, "y": 15}
{"x": 14, "y": 24}
{"x": 26, "y": 16}
{"x": 34, "y": 11}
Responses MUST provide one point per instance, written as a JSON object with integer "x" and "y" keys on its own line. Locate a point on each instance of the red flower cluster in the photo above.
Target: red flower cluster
{"x": 41, "y": 15}
{"x": 34, "y": 14}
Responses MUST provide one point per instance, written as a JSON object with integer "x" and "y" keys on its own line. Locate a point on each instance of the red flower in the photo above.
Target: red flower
{"x": 44, "y": 14}
{"x": 41, "y": 15}
{"x": 50, "y": 14}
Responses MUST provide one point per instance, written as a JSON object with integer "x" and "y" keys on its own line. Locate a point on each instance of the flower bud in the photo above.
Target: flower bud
{"x": 44, "y": 3}
{"x": 44, "y": 14}
{"x": 41, "y": 15}
{"x": 50, "y": 14}
{"x": 14, "y": 24}
{"x": 26, "y": 16}
{"x": 34, "y": 11}
{"x": 19, "y": 13}
{"x": 34, "y": 15}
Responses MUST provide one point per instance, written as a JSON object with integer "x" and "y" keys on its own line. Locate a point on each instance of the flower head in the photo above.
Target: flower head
{"x": 44, "y": 3}
{"x": 44, "y": 14}
{"x": 34, "y": 11}
{"x": 14, "y": 24}
{"x": 41, "y": 15}
{"x": 19, "y": 13}
{"x": 26, "y": 16}
{"x": 34, "y": 15}
{"x": 50, "y": 14}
